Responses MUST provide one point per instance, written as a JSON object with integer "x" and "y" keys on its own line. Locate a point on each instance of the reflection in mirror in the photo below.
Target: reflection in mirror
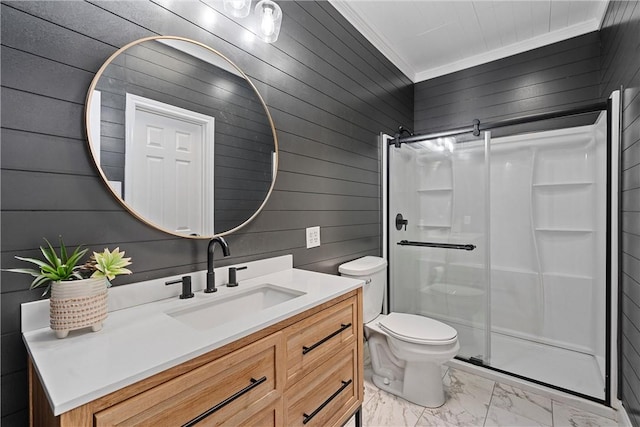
{"x": 182, "y": 137}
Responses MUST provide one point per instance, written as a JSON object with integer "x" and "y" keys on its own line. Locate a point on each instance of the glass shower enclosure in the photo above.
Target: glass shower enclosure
{"x": 505, "y": 238}
{"x": 438, "y": 236}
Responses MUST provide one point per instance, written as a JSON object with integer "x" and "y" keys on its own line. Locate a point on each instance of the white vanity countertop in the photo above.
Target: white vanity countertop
{"x": 140, "y": 341}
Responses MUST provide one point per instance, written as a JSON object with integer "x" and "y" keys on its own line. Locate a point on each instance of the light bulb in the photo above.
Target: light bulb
{"x": 269, "y": 19}
{"x": 267, "y": 25}
{"x": 236, "y": 4}
{"x": 237, "y": 8}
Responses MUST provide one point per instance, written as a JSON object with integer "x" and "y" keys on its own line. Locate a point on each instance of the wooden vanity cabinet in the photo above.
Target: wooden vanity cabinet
{"x": 248, "y": 373}
{"x": 307, "y": 369}
{"x": 323, "y": 397}
{"x": 324, "y": 366}
{"x": 313, "y": 339}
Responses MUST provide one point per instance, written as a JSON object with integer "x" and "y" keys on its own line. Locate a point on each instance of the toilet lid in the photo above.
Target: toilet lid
{"x": 418, "y": 329}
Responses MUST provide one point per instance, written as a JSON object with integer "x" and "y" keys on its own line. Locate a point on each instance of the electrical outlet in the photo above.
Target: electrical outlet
{"x": 313, "y": 237}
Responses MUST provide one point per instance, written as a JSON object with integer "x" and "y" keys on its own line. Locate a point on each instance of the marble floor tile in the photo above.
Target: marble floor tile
{"x": 522, "y": 404}
{"x": 370, "y": 389}
{"x": 467, "y": 401}
{"x": 500, "y": 417}
{"x": 366, "y": 354}
{"x": 387, "y": 410}
{"x": 351, "y": 422}
{"x": 471, "y": 400}
{"x": 565, "y": 415}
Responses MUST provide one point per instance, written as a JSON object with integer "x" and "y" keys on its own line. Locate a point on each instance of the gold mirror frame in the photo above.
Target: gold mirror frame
{"x": 95, "y": 157}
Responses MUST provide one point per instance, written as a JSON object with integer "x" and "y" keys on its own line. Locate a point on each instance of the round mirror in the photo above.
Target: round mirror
{"x": 181, "y": 137}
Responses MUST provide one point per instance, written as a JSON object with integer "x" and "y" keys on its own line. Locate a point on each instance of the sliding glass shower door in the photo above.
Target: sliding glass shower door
{"x": 505, "y": 237}
{"x": 438, "y": 237}
{"x": 549, "y": 255}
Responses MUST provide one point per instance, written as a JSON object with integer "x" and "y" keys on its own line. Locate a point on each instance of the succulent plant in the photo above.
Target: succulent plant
{"x": 53, "y": 268}
{"x": 64, "y": 267}
{"x": 110, "y": 264}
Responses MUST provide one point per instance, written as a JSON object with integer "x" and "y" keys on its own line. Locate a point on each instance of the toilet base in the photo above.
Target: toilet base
{"x": 423, "y": 384}
{"x": 418, "y": 382}
{"x": 423, "y": 388}
{"x": 390, "y": 386}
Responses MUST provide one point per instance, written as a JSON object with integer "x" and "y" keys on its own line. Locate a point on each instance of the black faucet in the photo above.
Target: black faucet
{"x": 211, "y": 278}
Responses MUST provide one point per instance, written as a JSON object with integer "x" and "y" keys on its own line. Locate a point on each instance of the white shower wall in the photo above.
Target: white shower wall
{"x": 547, "y": 236}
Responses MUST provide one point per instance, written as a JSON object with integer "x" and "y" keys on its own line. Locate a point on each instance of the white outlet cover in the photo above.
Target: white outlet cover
{"x": 313, "y": 237}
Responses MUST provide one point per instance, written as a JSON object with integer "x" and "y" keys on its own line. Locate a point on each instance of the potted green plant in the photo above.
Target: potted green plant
{"x": 78, "y": 292}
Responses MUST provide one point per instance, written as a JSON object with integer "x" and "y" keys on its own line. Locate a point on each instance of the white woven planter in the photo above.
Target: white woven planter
{"x": 78, "y": 304}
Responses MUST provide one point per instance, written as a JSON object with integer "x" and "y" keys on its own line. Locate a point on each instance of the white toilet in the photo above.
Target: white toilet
{"x": 407, "y": 350}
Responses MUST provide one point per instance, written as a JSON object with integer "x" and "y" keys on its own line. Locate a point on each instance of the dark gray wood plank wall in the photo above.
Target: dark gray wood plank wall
{"x": 330, "y": 94}
{"x": 620, "y": 65}
{"x": 558, "y": 76}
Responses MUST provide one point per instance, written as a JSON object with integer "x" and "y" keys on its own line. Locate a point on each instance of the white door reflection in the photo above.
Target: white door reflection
{"x": 169, "y": 158}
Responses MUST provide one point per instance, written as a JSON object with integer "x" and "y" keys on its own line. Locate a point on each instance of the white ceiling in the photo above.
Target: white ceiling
{"x": 429, "y": 38}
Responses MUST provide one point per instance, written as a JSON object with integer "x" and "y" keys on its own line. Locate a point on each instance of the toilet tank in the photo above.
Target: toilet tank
{"x": 373, "y": 270}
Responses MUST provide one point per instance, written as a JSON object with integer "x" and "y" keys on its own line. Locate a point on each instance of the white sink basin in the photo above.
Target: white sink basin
{"x": 234, "y": 305}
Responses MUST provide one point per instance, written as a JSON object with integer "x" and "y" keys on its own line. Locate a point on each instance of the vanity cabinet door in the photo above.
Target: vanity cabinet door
{"x": 312, "y": 340}
{"x": 243, "y": 382}
{"x": 323, "y": 399}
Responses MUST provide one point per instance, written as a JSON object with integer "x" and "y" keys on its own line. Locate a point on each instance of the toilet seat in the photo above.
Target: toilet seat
{"x": 417, "y": 329}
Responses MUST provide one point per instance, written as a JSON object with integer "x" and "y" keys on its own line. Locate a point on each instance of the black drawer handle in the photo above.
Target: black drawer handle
{"x": 254, "y": 384}
{"x": 307, "y": 418}
{"x": 306, "y": 350}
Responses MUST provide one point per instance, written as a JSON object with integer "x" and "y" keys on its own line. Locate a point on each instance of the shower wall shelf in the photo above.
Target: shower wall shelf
{"x": 513, "y": 270}
{"x": 564, "y": 230}
{"x": 465, "y": 264}
{"x": 433, "y": 190}
{"x": 563, "y": 184}
{"x": 568, "y": 276}
{"x": 432, "y": 225}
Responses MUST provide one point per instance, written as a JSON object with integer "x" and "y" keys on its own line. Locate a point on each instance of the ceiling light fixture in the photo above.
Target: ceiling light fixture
{"x": 269, "y": 15}
{"x": 237, "y": 8}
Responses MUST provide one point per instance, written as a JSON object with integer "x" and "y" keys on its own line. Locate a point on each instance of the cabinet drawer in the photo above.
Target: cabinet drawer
{"x": 312, "y": 340}
{"x": 269, "y": 416}
{"x": 244, "y": 380}
{"x": 324, "y": 398}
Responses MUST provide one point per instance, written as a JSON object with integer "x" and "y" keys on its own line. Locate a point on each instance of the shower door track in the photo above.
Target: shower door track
{"x": 475, "y": 129}
{"x": 477, "y": 126}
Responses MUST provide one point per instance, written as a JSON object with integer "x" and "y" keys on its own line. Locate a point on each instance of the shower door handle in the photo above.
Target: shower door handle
{"x": 465, "y": 247}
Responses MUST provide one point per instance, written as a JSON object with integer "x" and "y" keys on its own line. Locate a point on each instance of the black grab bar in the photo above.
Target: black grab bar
{"x": 465, "y": 247}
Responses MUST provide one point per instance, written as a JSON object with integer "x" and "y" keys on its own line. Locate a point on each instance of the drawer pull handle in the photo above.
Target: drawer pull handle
{"x": 307, "y": 418}
{"x": 254, "y": 384}
{"x": 306, "y": 350}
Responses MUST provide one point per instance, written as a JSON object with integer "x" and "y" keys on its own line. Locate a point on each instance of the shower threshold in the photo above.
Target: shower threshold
{"x": 561, "y": 368}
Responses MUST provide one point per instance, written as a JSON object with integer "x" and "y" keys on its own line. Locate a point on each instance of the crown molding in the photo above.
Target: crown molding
{"x": 373, "y": 36}
{"x": 602, "y": 12}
